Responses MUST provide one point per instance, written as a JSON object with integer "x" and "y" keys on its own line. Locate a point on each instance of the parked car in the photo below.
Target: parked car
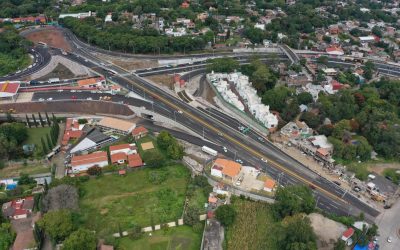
{"x": 337, "y": 183}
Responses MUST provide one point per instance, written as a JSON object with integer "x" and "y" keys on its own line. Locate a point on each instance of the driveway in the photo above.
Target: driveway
{"x": 389, "y": 224}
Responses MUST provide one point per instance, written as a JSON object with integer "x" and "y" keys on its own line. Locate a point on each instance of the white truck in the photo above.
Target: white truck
{"x": 209, "y": 151}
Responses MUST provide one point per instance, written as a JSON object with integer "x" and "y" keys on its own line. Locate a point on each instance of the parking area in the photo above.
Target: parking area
{"x": 250, "y": 179}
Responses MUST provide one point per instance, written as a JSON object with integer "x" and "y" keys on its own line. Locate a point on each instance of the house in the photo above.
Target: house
{"x": 84, "y": 162}
{"x": 135, "y": 161}
{"x": 118, "y": 158}
{"x": 346, "y": 236}
{"x": 335, "y": 51}
{"x": 269, "y": 185}
{"x": 91, "y": 82}
{"x": 226, "y": 169}
{"x": 320, "y": 141}
{"x": 19, "y": 208}
{"x": 94, "y": 139}
{"x": 8, "y": 89}
{"x": 139, "y": 132}
{"x": 106, "y": 247}
{"x": 126, "y": 148}
{"x": 116, "y": 125}
{"x": 329, "y": 71}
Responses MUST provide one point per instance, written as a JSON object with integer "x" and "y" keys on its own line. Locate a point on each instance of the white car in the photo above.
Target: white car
{"x": 60, "y": 90}
{"x": 225, "y": 149}
{"x": 41, "y": 99}
{"x": 264, "y": 160}
{"x": 73, "y": 91}
{"x": 89, "y": 98}
{"x": 50, "y": 99}
{"x": 389, "y": 239}
{"x": 180, "y": 112}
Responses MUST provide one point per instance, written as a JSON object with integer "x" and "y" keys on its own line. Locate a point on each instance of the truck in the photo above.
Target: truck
{"x": 209, "y": 151}
{"x": 54, "y": 80}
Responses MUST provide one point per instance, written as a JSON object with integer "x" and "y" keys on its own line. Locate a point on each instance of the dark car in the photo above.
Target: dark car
{"x": 337, "y": 183}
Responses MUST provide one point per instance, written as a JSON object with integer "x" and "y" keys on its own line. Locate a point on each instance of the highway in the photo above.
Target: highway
{"x": 330, "y": 197}
{"x": 218, "y": 128}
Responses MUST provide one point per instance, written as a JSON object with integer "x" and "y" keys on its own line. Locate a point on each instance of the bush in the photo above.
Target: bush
{"x": 225, "y": 214}
{"x": 94, "y": 171}
{"x": 198, "y": 227}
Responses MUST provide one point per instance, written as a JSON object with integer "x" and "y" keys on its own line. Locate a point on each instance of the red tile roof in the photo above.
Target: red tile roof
{"x": 348, "y": 233}
{"x": 120, "y": 147}
{"x": 9, "y": 87}
{"x": 89, "y": 158}
{"x": 135, "y": 160}
{"x": 139, "y": 130}
{"x": 118, "y": 157}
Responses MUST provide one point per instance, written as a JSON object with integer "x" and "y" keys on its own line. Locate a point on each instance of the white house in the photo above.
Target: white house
{"x": 84, "y": 162}
{"x": 216, "y": 171}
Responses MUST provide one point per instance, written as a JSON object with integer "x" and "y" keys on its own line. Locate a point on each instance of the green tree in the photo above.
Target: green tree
{"x": 153, "y": 159}
{"x": 48, "y": 119}
{"x": 222, "y": 65}
{"x": 304, "y": 98}
{"x": 34, "y": 120}
{"x": 80, "y": 239}
{"x": 322, "y": 60}
{"x": 292, "y": 200}
{"x": 58, "y": 224}
{"x": 24, "y": 179}
{"x": 49, "y": 142}
{"x": 95, "y": 170}
{"x": 311, "y": 119}
{"x": 27, "y": 121}
{"x": 226, "y": 214}
{"x": 191, "y": 216}
{"x": 298, "y": 234}
{"x": 6, "y": 236}
{"x": 165, "y": 139}
{"x": 339, "y": 245}
{"x": 341, "y": 128}
{"x": 41, "y": 120}
{"x": 175, "y": 151}
{"x": 276, "y": 98}
{"x": 291, "y": 110}
{"x": 45, "y": 149}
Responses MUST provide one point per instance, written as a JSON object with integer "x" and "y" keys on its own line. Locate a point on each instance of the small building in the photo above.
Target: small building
{"x": 94, "y": 139}
{"x": 139, "y": 132}
{"x": 9, "y": 89}
{"x": 118, "y": 158}
{"x": 19, "y": 208}
{"x": 84, "y": 162}
{"x": 135, "y": 161}
{"x": 91, "y": 82}
{"x": 329, "y": 71}
{"x": 126, "y": 148}
{"x": 226, "y": 169}
{"x": 116, "y": 125}
{"x": 346, "y": 236}
{"x": 269, "y": 185}
{"x": 106, "y": 247}
{"x": 335, "y": 51}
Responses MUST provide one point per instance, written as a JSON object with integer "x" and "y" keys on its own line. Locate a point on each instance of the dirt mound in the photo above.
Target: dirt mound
{"x": 51, "y": 36}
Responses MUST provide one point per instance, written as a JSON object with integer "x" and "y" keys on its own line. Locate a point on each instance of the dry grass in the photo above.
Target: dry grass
{"x": 166, "y": 80}
{"x": 147, "y": 145}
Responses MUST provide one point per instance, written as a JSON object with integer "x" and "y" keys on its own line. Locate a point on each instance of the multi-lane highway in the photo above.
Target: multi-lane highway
{"x": 218, "y": 128}
{"x": 245, "y": 147}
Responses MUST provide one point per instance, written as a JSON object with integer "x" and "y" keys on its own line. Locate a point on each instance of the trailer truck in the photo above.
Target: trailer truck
{"x": 209, "y": 151}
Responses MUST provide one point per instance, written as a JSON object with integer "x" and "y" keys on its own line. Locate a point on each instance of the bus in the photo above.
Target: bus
{"x": 209, "y": 151}
{"x": 56, "y": 149}
{"x": 50, "y": 155}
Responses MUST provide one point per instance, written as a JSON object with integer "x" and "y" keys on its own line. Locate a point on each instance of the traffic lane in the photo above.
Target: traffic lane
{"x": 158, "y": 92}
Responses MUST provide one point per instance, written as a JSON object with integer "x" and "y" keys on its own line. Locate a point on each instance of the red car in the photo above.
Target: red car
{"x": 73, "y": 97}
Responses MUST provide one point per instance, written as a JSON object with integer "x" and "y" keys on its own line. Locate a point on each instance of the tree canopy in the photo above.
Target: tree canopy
{"x": 58, "y": 224}
{"x": 225, "y": 214}
{"x": 292, "y": 200}
{"x": 222, "y": 65}
{"x": 80, "y": 239}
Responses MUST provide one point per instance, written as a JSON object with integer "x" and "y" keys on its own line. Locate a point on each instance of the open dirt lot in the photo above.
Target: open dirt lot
{"x": 166, "y": 80}
{"x": 51, "y": 36}
{"x": 129, "y": 63}
{"x": 60, "y": 71}
{"x": 327, "y": 230}
{"x": 379, "y": 167}
{"x": 147, "y": 145}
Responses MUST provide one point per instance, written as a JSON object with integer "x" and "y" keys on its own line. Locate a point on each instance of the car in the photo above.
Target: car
{"x": 180, "y": 112}
{"x": 225, "y": 149}
{"x": 50, "y": 99}
{"x": 73, "y": 97}
{"x": 238, "y": 183}
{"x": 219, "y": 133}
{"x": 357, "y": 189}
{"x": 73, "y": 91}
{"x": 389, "y": 239}
{"x": 260, "y": 139}
{"x": 264, "y": 160}
{"x": 60, "y": 90}
{"x": 337, "y": 183}
{"x": 41, "y": 99}
{"x": 311, "y": 186}
{"x": 89, "y": 98}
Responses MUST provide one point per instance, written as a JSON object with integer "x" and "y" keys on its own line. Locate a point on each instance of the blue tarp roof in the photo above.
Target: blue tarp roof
{"x": 358, "y": 247}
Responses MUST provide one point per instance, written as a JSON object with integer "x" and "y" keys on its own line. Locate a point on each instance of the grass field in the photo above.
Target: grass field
{"x": 16, "y": 169}
{"x": 253, "y": 228}
{"x": 34, "y": 135}
{"x": 182, "y": 237}
{"x": 143, "y": 197}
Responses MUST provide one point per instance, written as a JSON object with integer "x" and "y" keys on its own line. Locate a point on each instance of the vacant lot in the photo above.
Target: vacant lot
{"x": 51, "y": 36}
{"x": 34, "y": 134}
{"x": 181, "y": 237}
{"x": 143, "y": 197}
{"x": 15, "y": 169}
{"x": 253, "y": 228}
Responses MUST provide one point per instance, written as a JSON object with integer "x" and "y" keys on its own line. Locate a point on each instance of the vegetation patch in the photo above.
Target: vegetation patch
{"x": 144, "y": 197}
